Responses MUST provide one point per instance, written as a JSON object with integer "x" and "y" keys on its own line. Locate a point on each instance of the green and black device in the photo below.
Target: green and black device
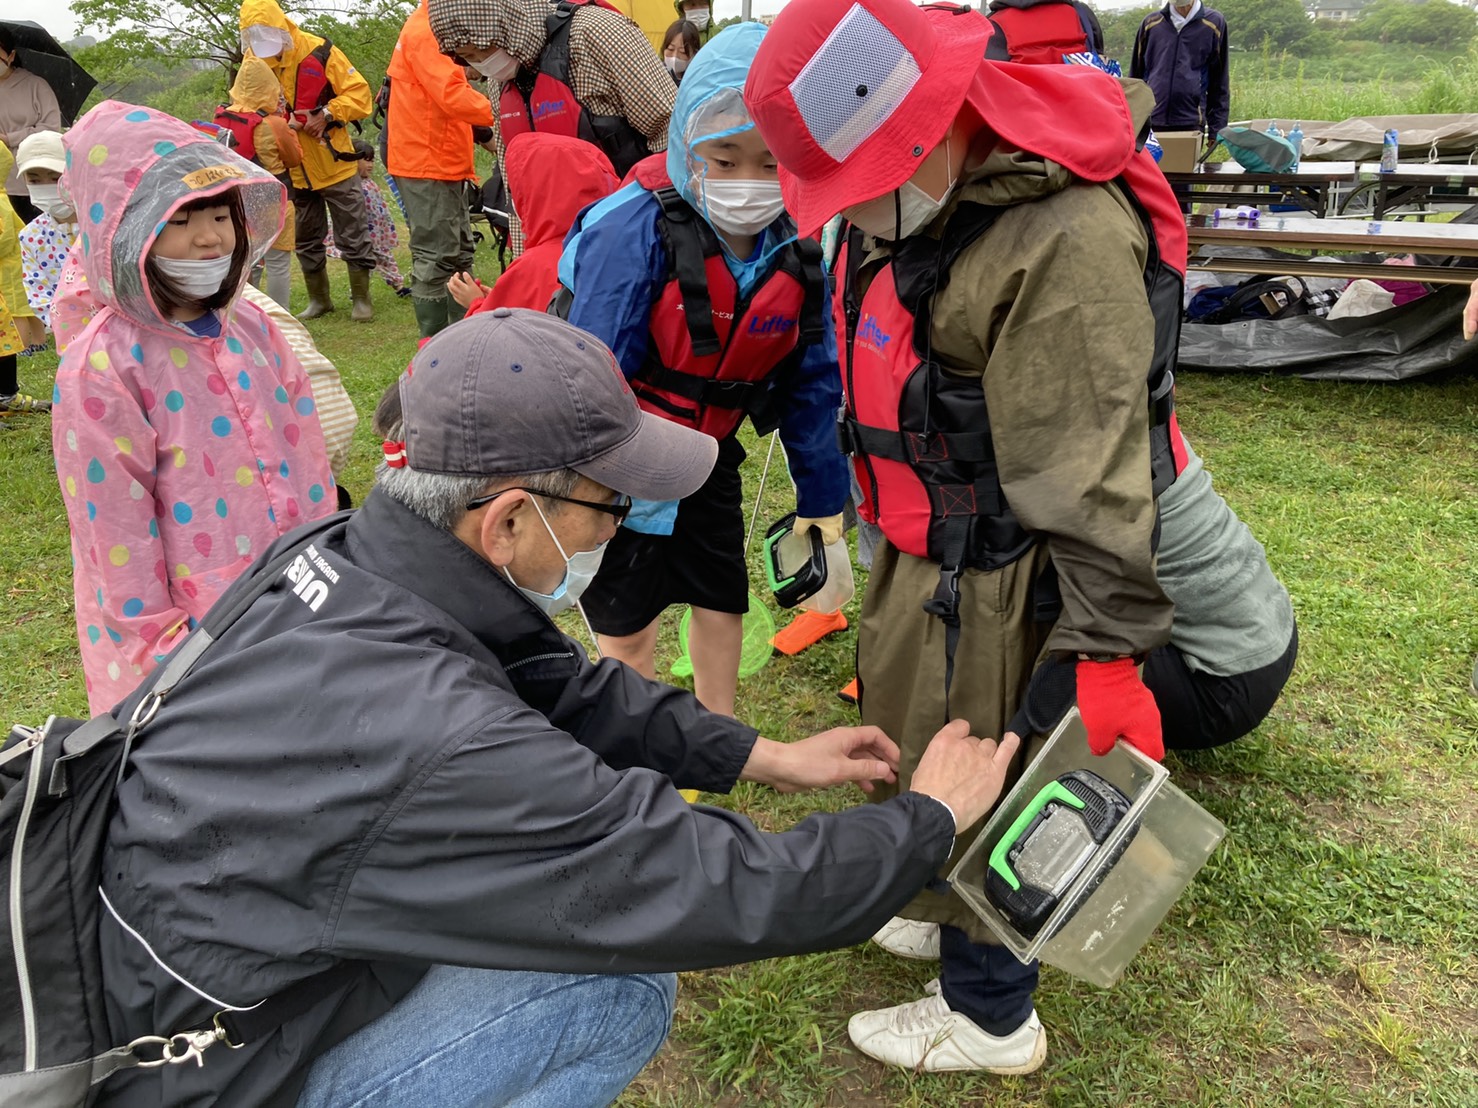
{"x": 795, "y": 564}
{"x": 1045, "y": 849}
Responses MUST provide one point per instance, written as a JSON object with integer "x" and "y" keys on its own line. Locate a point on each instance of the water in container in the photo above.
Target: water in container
{"x": 1100, "y": 849}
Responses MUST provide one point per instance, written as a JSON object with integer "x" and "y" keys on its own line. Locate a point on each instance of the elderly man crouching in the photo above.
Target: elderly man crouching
{"x": 407, "y": 768}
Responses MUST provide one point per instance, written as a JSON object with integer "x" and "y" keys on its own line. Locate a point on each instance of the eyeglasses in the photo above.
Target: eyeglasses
{"x": 618, "y": 509}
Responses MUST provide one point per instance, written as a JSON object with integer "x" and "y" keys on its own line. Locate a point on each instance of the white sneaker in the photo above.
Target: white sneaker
{"x": 927, "y": 1036}
{"x": 909, "y": 938}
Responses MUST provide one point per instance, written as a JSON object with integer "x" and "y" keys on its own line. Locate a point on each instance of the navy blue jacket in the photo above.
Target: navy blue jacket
{"x": 1186, "y": 70}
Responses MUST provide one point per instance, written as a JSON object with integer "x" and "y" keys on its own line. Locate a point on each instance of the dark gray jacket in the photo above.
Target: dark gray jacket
{"x": 394, "y": 758}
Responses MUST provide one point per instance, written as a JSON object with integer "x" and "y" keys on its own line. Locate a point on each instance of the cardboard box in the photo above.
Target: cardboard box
{"x": 1181, "y": 149}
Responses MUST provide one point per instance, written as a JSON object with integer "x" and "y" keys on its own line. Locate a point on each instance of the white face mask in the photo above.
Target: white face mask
{"x": 742, "y": 207}
{"x": 500, "y": 65}
{"x": 264, "y": 41}
{"x": 49, "y": 199}
{"x": 199, "y": 278}
{"x": 698, "y": 17}
{"x": 580, "y": 570}
{"x": 913, "y": 209}
{"x": 675, "y": 65}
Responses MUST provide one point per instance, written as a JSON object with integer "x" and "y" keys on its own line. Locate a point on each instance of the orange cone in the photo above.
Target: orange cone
{"x": 848, "y": 692}
{"x": 807, "y": 629}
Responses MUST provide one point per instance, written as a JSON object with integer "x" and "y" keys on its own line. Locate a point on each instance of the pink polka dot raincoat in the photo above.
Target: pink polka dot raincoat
{"x": 180, "y": 458}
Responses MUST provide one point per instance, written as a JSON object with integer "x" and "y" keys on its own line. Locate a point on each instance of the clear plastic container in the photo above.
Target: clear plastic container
{"x": 1113, "y": 903}
{"x": 839, "y": 585}
{"x": 804, "y": 573}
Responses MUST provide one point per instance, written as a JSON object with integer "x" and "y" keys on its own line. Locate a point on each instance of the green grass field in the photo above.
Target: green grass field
{"x": 1325, "y": 957}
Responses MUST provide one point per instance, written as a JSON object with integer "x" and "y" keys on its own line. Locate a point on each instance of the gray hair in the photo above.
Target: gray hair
{"x": 441, "y": 499}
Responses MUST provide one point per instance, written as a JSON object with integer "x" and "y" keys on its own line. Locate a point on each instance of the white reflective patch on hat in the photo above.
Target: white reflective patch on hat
{"x": 855, "y": 81}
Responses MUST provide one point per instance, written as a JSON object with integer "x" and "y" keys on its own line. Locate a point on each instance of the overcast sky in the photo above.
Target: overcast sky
{"x": 56, "y": 15}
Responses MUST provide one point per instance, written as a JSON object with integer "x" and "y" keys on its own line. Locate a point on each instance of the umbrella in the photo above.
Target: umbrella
{"x": 46, "y": 58}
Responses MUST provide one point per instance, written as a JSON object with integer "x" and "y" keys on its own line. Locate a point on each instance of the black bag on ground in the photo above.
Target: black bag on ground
{"x": 1259, "y": 297}
{"x": 57, "y": 789}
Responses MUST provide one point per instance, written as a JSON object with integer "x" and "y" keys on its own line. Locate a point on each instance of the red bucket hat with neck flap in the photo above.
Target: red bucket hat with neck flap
{"x": 851, "y": 95}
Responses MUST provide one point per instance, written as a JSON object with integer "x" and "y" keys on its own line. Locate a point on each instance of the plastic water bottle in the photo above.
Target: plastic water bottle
{"x": 1296, "y": 137}
{"x": 1245, "y": 213}
{"x": 1390, "y": 151}
{"x": 1273, "y": 129}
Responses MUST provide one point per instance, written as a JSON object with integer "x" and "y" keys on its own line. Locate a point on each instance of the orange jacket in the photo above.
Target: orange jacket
{"x": 432, "y": 108}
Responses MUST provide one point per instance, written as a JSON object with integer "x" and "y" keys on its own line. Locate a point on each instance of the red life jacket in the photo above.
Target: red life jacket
{"x": 920, "y": 437}
{"x": 1042, "y": 33}
{"x": 543, "y": 100}
{"x": 713, "y": 353}
{"x": 312, "y": 89}
{"x": 241, "y": 128}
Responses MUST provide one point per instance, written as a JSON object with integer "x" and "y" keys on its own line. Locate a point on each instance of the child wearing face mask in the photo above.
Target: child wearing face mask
{"x": 47, "y": 238}
{"x": 185, "y": 430}
{"x": 692, "y": 274}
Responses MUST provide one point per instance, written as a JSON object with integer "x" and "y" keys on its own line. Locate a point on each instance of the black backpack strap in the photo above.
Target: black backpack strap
{"x": 257, "y": 1022}
{"x": 235, "y": 1028}
{"x": 921, "y": 269}
{"x": 226, "y": 611}
{"x": 689, "y": 266}
{"x": 558, "y": 21}
{"x": 812, "y": 276}
{"x": 1092, "y": 30}
{"x": 381, "y": 114}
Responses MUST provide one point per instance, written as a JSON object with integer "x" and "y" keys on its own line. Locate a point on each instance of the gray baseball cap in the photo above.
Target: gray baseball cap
{"x": 512, "y": 392}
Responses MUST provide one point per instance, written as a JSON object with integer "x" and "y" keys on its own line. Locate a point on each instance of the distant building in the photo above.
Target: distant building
{"x": 1335, "y": 11}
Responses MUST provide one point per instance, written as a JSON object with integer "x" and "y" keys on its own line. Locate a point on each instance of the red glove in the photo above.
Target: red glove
{"x": 1115, "y": 705}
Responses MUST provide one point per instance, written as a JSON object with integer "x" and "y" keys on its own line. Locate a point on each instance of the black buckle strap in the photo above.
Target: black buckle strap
{"x": 736, "y": 395}
{"x": 239, "y": 1028}
{"x": 945, "y": 603}
{"x": 913, "y": 448}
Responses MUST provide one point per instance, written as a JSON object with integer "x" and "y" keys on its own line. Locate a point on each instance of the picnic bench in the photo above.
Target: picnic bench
{"x": 1334, "y": 235}
{"x": 1312, "y": 186}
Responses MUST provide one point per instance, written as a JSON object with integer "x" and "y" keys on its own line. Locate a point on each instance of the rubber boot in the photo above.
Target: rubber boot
{"x": 454, "y": 311}
{"x": 430, "y": 315}
{"x": 359, "y": 280}
{"x": 319, "y": 302}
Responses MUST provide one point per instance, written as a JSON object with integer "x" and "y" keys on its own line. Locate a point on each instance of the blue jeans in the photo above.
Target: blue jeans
{"x": 484, "y": 1037}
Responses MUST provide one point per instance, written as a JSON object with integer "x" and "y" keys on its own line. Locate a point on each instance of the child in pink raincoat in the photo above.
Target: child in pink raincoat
{"x": 185, "y": 432}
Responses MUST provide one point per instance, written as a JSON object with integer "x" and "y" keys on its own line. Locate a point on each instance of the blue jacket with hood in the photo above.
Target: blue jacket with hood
{"x": 614, "y": 264}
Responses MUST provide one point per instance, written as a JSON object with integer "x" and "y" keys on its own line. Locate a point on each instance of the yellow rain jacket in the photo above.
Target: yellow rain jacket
{"x": 12, "y": 290}
{"x": 277, "y": 148}
{"x": 351, "y": 98}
